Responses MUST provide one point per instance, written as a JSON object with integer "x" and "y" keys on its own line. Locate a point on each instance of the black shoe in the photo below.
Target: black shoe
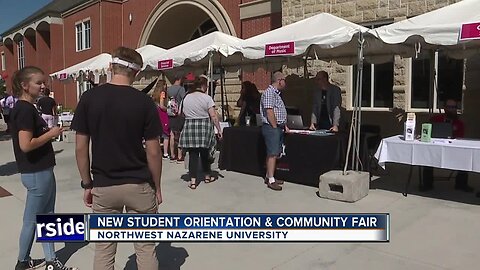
{"x": 58, "y": 265}
{"x": 465, "y": 188}
{"x": 30, "y": 264}
{"x": 425, "y": 188}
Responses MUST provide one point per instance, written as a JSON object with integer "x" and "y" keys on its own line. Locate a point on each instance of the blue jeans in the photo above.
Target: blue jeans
{"x": 41, "y": 192}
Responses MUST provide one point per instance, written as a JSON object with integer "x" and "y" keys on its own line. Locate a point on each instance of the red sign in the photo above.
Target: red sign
{"x": 470, "y": 31}
{"x": 63, "y": 76}
{"x": 165, "y": 64}
{"x": 284, "y": 48}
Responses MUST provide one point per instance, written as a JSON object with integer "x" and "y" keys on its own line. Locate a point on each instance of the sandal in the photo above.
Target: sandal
{"x": 192, "y": 186}
{"x": 210, "y": 179}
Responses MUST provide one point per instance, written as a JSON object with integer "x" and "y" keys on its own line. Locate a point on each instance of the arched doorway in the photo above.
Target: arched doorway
{"x": 175, "y": 22}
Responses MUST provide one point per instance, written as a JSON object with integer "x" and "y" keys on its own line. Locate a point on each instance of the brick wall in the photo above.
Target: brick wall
{"x": 43, "y": 51}
{"x": 252, "y": 27}
{"x": 10, "y": 61}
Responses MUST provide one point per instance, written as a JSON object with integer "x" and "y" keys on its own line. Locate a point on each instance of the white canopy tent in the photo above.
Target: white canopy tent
{"x": 100, "y": 63}
{"x": 200, "y": 55}
{"x": 216, "y": 47}
{"x": 148, "y": 51}
{"x": 436, "y": 30}
{"x": 321, "y": 37}
{"x": 97, "y": 64}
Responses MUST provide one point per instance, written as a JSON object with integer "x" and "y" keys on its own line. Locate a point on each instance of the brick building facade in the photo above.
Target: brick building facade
{"x": 64, "y": 33}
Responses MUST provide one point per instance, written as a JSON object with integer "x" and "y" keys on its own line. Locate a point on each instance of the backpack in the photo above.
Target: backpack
{"x": 8, "y": 106}
{"x": 172, "y": 105}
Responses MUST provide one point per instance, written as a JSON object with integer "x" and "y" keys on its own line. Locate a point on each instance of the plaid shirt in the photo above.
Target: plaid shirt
{"x": 271, "y": 100}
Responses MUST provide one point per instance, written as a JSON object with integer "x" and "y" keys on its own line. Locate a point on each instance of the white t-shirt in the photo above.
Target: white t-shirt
{"x": 196, "y": 105}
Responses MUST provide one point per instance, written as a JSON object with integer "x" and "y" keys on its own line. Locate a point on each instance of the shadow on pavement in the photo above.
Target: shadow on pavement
{"x": 4, "y": 136}
{"x": 396, "y": 180}
{"x": 66, "y": 252}
{"x": 169, "y": 258}
{"x": 8, "y": 169}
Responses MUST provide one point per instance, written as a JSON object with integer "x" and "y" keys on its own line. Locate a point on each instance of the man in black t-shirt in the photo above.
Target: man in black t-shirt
{"x": 48, "y": 107}
{"x": 116, "y": 118}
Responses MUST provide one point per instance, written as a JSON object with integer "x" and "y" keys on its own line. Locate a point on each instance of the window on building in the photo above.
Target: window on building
{"x": 87, "y": 34}
{"x": 79, "y": 35}
{"x": 21, "y": 54}
{"x": 83, "y": 33}
{"x": 4, "y": 62}
{"x": 449, "y": 81}
{"x": 82, "y": 87}
{"x": 206, "y": 27}
{"x": 377, "y": 81}
{"x": 377, "y": 85}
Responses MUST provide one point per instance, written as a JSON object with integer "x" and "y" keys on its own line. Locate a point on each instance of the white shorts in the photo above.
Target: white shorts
{"x": 50, "y": 120}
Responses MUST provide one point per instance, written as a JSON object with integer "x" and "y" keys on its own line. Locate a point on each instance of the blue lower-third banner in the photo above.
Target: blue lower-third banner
{"x": 215, "y": 227}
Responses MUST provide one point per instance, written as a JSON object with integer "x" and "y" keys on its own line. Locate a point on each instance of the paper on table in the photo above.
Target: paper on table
{"x": 300, "y": 131}
{"x": 442, "y": 140}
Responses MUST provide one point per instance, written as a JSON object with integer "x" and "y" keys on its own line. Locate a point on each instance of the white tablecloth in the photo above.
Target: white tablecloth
{"x": 65, "y": 117}
{"x": 463, "y": 155}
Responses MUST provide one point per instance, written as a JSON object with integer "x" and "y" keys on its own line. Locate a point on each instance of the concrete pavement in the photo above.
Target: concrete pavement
{"x": 435, "y": 230}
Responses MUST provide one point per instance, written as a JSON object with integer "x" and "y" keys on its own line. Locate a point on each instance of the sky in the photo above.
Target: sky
{"x": 13, "y": 11}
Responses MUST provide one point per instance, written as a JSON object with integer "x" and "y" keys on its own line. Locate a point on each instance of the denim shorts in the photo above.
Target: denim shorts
{"x": 273, "y": 139}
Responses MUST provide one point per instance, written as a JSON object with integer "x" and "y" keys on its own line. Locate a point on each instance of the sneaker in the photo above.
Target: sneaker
{"x": 278, "y": 181}
{"x": 165, "y": 157}
{"x": 58, "y": 265}
{"x": 274, "y": 186}
{"x": 30, "y": 264}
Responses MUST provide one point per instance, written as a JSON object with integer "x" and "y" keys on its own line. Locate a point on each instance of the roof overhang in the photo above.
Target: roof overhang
{"x": 34, "y": 26}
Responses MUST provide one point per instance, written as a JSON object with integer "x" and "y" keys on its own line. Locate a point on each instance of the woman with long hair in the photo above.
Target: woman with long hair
{"x": 159, "y": 96}
{"x": 35, "y": 159}
{"x": 198, "y": 135}
{"x": 249, "y": 102}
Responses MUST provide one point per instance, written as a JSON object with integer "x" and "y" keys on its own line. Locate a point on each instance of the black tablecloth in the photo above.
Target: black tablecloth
{"x": 307, "y": 156}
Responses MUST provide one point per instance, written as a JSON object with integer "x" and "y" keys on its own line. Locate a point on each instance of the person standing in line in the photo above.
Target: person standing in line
{"x": 274, "y": 117}
{"x": 35, "y": 159}
{"x": 125, "y": 175}
{"x": 7, "y": 107}
{"x": 48, "y": 107}
{"x": 159, "y": 96}
{"x": 198, "y": 135}
{"x": 175, "y": 93}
